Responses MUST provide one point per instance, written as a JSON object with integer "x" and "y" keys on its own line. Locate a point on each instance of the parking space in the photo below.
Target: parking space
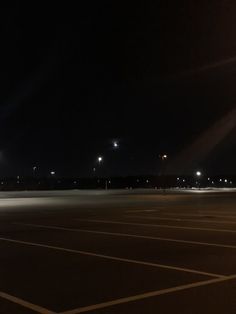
{"x": 108, "y": 252}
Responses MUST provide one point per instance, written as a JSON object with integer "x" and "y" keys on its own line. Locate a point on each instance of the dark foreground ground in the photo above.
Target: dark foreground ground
{"x": 118, "y": 252}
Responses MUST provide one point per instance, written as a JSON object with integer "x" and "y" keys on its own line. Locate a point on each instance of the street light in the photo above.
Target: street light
{"x": 198, "y": 174}
{"x": 115, "y": 144}
{"x": 100, "y": 159}
{"x": 163, "y": 157}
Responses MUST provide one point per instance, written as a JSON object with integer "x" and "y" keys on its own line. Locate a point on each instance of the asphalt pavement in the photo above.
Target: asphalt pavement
{"x": 118, "y": 252}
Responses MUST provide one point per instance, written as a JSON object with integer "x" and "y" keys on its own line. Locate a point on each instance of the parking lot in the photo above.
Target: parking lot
{"x": 118, "y": 252}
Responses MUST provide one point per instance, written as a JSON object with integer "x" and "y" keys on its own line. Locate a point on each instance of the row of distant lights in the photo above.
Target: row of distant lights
{"x": 199, "y": 174}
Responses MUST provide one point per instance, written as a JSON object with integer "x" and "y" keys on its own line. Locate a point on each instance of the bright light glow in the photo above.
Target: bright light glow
{"x": 198, "y": 173}
{"x": 226, "y": 180}
{"x": 100, "y": 159}
{"x": 52, "y": 173}
{"x": 163, "y": 157}
{"x": 115, "y": 144}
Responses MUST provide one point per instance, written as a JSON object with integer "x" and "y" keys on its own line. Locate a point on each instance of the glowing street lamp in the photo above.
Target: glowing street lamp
{"x": 100, "y": 159}
{"x": 198, "y": 174}
{"x": 163, "y": 157}
{"x": 115, "y": 144}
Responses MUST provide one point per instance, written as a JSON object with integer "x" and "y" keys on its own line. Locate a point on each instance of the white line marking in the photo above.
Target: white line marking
{"x": 199, "y": 215}
{"x": 183, "y": 219}
{"x": 114, "y": 258}
{"x": 117, "y": 222}
{"x": 25, "y": 304}
{"x": 147, "y": 295}
{"x": 136, "y": 236}
{"x": 142, "y": 211}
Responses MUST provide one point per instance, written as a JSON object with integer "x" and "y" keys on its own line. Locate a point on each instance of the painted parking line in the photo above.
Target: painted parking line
{"x": 147, "y": 295}
{"x": 119, "y": 222}
{"x": 114, "y": 258}
{"x": 142, "y": 211}
{"x": 26, "y": 304}
{"x": 183, "y": 219}
{"x": 136, "y": 236}
{"x": 199, "y": 215}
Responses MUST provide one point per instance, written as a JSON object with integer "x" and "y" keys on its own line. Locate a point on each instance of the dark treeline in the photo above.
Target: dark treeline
{"x": 57, "y": 183}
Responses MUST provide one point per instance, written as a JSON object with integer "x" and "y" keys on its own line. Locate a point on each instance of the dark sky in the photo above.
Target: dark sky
{"x": 154, "y": 75}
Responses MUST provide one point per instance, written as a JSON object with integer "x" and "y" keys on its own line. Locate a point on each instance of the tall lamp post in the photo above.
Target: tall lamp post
{"x": 198, "y": 174}
{"x": 163, "y": 158}
{"x": 99, "y": 161}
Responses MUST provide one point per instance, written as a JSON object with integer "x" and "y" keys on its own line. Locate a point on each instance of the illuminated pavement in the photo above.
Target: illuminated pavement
{"x": 118, "y": 252}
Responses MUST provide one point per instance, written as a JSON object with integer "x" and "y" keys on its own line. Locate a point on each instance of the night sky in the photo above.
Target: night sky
{"x": 157, "y": 76}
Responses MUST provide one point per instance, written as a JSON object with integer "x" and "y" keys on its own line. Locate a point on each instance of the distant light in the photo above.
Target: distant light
{"x": 100, "y": 159}
{"x": 212, "y": 182}
{"x": 183, "y": 180}
{"x": 226, "y": 180}
{"x": 115, "y": 144}
{"x": 94, "y": 169}
{"x": 220, "y": 180}
{"x": 208, "y": 179}
{"x": 53, "y": 173}
{"x": 163, "y": 157}
{"x": 177, "y": 179}
{"x": 147, "y": 181}
{"x": 198, "y": 173}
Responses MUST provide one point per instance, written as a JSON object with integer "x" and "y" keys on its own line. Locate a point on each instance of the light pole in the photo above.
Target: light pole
{"x": 99, "y": 161}
{"x": 163, "y": 158}
{"x": 198, "y": 174}
{"x": 34, "y": 170}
